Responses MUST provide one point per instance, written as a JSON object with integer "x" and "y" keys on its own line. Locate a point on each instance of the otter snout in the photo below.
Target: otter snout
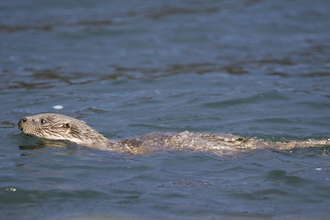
{"x": 20, "y": 122}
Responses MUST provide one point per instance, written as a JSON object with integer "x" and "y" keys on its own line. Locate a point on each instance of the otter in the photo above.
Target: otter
{"x": 60, "y": 127}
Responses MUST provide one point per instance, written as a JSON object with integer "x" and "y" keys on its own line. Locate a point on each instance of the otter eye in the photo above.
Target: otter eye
{"x": 43, "y": 121}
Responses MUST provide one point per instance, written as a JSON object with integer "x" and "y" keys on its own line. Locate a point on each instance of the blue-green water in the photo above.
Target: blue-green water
{"x": 253, "y": 68}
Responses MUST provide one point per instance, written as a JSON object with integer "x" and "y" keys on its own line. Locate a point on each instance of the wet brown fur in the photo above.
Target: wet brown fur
{"x": 60, "y": 127}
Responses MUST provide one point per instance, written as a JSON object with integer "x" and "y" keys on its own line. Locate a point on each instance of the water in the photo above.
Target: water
{"x": 252, "y": 68}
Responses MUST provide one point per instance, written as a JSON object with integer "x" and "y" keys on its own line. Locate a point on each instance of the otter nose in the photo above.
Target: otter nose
{"x": 22, "y": 120}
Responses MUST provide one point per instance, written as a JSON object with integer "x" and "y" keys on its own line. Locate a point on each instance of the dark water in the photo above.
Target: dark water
{"x": 253, "y": 68}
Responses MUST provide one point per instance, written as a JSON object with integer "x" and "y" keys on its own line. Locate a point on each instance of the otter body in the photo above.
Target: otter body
{"x": 60, "y": 127}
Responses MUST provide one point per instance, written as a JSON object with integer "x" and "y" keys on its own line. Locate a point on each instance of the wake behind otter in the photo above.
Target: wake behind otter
{"x": 60, "y": 127}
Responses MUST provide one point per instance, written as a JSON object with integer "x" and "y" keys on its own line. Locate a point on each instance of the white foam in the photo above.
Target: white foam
{"x": 57, "y": 106}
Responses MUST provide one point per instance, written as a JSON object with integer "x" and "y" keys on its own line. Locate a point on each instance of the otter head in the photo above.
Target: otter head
{"x": 60, "y": 127}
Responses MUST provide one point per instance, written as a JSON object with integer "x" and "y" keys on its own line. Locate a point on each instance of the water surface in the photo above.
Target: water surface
{"x": 253, "y": 68}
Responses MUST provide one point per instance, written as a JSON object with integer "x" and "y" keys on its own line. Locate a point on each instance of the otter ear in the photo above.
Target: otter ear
{"x": 66, "y": 125}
